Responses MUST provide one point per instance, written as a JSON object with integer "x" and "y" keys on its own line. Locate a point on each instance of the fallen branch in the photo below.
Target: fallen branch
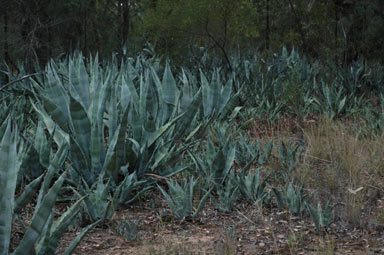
{"x": 19, "y": 79}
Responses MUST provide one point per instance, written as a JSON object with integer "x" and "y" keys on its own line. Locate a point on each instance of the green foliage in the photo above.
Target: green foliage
{"x": 297, "y": 98}
{"x": 284, "y": 85}
{"x": 289, "y": 157}
{"x": 143, "y": 116}
{"x": 321, "y": 217}
{"x": 290, "y": 198}
{"x": 288, "y": 85}
{"x": 173, "y": 24}
{"x": 180, "y": 198}
{"x": 130, "y": 189}
{"x": 218, "y": 100}
{"x": 331, "y": 101}
{"x": 111, "y": 130}
{"x": 216, "y": 163}
{"x": 43, "y": 234}
{"x": 55, "y": 229}
{"x": 14, "y": 99}
{"x": 128, "y": 229}
{"x": 251, "y": 188}
{"x": 9, "y": 166}
{"x": 67, "y": 103}
{"x": 373, "y": 119}
{"x": 98, "y": 203}
{"x": 187, "y": 31}
{"x": 228, "y": 194}
{"x": 247, "y": 151}
{"x": 103, "y": 197}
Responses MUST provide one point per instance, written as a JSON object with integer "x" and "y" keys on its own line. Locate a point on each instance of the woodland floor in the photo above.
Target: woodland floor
{"x": 248, "y": 230}
{"x": 251, "y": 229}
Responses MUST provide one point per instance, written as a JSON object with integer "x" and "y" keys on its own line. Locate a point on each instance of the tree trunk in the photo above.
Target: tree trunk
{"x": 267, "y": 29}
{"x": 299, "y": 27}
{"x": 124, "y": 21}
{"x": 6, "y": 43}
{"x": 336, "y": 33}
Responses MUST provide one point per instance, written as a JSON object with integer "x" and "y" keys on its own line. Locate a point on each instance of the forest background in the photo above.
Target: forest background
{"x": 338, "y": 30}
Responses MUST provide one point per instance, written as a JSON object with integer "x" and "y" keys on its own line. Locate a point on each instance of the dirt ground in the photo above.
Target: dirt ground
{"x": 247, "y": 230}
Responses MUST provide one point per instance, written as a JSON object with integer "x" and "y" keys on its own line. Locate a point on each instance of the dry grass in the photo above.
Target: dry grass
{"x": 341, "y": 165}
{"x": 326, "y": 246}
{"x": 338, "y": 164}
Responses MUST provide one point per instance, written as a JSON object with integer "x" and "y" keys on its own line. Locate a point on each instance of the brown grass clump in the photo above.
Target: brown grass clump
{"x": 340, "y": 164}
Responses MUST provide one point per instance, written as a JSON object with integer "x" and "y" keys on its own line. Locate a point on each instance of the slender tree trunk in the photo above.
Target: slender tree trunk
{"x": 6, "y": 43}
{"x": 364, "y": 33}
{"x": 267, "y": 29}
{"x": 7, "y": 57}
{"x": 119, "y": 28}
{"x": 25, "y": 27}
{"x": 299, "y": 26}
{"x": 125, "y": 21}
{"x": 50, "y": 43}
{"x": 79, "y": 39}
{"x": 83, "y": 26}
{"x": 85, "y": 31}
{"x": 336, "y": 33}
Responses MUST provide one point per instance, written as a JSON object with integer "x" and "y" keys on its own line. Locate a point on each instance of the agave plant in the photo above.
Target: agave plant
{"x": 290, "y": 198}
{"x": 128, "y": 229}
{"x": 331, "y": 100}
{"x": 43, "y": 234}
{"x": 180, "y": 198}
{"x": 289, "y": 157}
{"x": 279, "y": 85}
{"x": 321, "y": 217}
{"x": 354, "y": 78}
{"x": 157, "y": 125}
{"x": 130, "y": 189}
{"x": 109, "y": 121}
{"x": 218, "y": 100}
{"x": 247, "y": 151}
{"x": 38, "y": 156}
{"x": 18, "y": 106}
{"x": 103, "y": 197}
{"x": 79, "y": 120}
{"x": 217, "y": 163}
{"x": 98, "y": 202}
{"x": 251, "y": 188}
{"x": 228, "y": 194}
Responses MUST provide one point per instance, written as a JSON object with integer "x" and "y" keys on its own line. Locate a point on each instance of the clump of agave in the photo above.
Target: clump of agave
{"x": 43, "y": 233}
{"x": 110, "y": 130}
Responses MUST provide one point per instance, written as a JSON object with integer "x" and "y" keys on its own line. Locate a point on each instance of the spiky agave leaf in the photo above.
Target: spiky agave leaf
{"x": 9, "y": 167}
{"x": 39, "y": 218}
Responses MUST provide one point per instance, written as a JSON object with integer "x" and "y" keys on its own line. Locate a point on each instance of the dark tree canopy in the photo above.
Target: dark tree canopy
{"x": 343, "y": 30}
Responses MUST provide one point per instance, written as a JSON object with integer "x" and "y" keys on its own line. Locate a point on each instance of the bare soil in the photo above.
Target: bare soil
{"x": 247, "y": 230}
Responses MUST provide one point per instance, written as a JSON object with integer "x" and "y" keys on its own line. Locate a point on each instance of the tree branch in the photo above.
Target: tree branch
{"x": 18, "y": 80}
